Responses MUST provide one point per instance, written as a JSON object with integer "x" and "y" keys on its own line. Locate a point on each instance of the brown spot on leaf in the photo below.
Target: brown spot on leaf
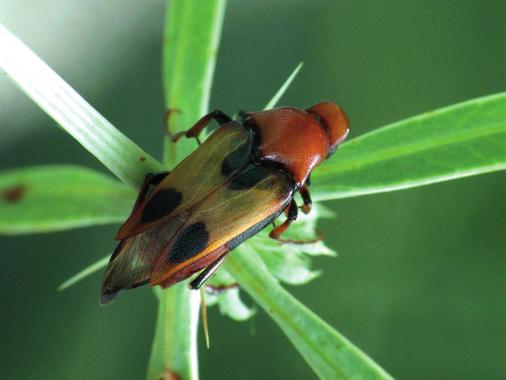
{"x": 142, "y": 158}
{"x": 14, "y": 194}
{"x": 169, "y": 375}
{"x": 216, "y": 289}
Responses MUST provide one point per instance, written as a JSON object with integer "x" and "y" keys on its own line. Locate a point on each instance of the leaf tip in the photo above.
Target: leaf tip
{"x": 274, "y": 100}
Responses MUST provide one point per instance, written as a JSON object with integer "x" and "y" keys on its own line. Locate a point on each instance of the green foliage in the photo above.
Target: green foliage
{"x": 52, "y": 198}
{"x": 457, "y": 141}
{"x": 329, "y": 354}
{"x": 191, "y": 39}
{"x": 275, "y": 99}
{"x": 259, "y": 263}
{"x": 88, "y": 271}
{"x": 465, "y": 139}
{"x": 60, "y": 101}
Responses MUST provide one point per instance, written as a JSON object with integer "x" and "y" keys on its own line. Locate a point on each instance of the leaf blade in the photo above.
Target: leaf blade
{"x": 275, "y": 99}
{"x": 330, "y": 354}
{"x": 60, "y": 101}
{"x": 86, "y": 272}
{"x": 191, "y": 41}
{"x": 60, "y": 197}
{"x": 465, "y": 139}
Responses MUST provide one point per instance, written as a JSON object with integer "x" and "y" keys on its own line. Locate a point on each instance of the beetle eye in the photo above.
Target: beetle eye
{"x": 333, "y": 118}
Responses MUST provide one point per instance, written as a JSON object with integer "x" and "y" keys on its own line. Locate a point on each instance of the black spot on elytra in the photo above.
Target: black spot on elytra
{"x": 14, "y": 194}
{"x": 190, "y": 241}
{"x": 248, "y": 177}
{"x": 236, "y": 159}
{"x": 163, "y": 202}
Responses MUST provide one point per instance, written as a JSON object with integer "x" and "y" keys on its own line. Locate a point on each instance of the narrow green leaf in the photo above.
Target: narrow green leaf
{"x": 275, "y": 99}
{"x": 457, "y": 141}
{"x": 192, "y": 33}
{"x": 60, "y": 101}
{"x": 59, "y": 197}
{"x": 88, "y": 271}
{"x": 330, "y": 354}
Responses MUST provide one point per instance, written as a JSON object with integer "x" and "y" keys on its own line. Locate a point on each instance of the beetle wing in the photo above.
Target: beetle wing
{"x": 248, "y": 201}
{"x": 175, "y": 247}
{"x": 207, "y": 168}
{"x": 133, "y": 260}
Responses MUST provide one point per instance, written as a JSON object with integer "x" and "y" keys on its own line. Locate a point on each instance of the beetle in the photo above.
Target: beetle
{"x": 242, "y": 178}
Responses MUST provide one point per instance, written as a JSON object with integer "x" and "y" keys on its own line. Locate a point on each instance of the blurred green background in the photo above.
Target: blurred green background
{"x": 420, "y": 280}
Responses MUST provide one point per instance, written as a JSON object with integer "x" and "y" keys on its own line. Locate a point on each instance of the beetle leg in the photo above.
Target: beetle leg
{"x": 216, "y": 115}
{"x": 291, "y": 216}
{"x": 207, "y": 273}
{"x": 318, "y": 238}
{"x": 306, "y": 198}
{"x": 217, "y": 289}
{"x": 150, "y": 179}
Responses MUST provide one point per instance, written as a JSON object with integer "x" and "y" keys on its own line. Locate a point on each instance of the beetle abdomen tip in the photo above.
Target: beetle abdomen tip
{"x": 107, "y": 296}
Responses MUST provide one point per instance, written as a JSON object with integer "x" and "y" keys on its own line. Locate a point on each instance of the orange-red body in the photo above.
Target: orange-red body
{"x": 299, "y": 140}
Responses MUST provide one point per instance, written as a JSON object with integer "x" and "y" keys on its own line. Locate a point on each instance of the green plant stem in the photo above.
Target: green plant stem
{"x": 192, "y": 33}
{"x": 174, "y": 350}
{"x": 191, "y": 39}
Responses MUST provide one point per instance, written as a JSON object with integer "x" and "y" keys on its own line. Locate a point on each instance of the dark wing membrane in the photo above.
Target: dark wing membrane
{"x": 253, "y": 195}
{"x": 207, "y": 168}
{"x": 135, "y": 257}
